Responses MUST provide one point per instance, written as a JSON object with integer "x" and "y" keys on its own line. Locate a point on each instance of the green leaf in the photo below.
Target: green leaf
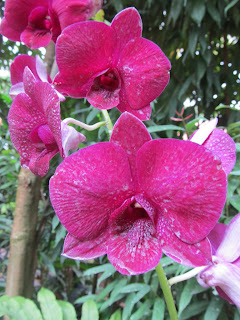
{"x": 187, "y": 293}
{"x": 185, "y": 87}
{"x": 222, "y": 106}
{"x": 214, "y": 308}
{"x": 85, "y": 298}
{"x": 89, "y": 311}
{"x": 198, "y": 11}
{"x": 235, "y": 173}
{"x": 102, "y": 268}
{"x": 194, "y": 309}
{"x": 175, "y": 10}
{"x": 158, "y": 309}
{"x": 192, "y": 42}
{"x": 68, "y": 310}
{"x": 164, "y": 128}
{"x": 117, "y": 315}
{"x": 230, "y": 5}
{"x": 49, "y": 306}
{"x": 142, "y": 311}
{"x": 235, "y": 201}
{"x": 213, "y": 12}
{"x": 19, "y": 308}
{"x": 128, "y": 306}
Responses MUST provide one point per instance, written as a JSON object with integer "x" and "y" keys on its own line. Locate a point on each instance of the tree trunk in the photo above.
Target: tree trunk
{"x": 21, "y": 264}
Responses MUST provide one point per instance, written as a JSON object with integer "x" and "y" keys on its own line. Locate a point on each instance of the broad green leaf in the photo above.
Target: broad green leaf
{"x": 19, "y": 308}
{"x": 164, "y": 128}
{"x": 214, "y": 308}
{"x": 117, "y": 315}
{"x": 158, "y": 309}
{"x": 49, "y": 306}
{"x": 133, "y": 287}
{"x": 235, "y": 201}
{"x": 235, "y": 173}
{"x": 68, "y": 310}
{"x": 127, "y": 310}
{"x": 198, "y": 11}
{"x": 214, "y": 13}
{"x": 222, "y": 106}
{"x": 89, "y": 311}
{"x": 85, "y": 298}
{"x": 192, "y": 42}
{"x": 185, "y": 86}
{"x": 175, "y": 10}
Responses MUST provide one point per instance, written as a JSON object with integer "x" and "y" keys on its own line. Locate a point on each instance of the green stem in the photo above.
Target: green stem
{"x": 166, "y": 292}
{"x": 108, "y": 122}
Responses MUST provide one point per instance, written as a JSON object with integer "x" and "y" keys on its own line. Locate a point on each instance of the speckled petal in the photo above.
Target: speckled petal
{"x": 35, "y": 39}
{"x": 18, "y": 66}
{"x": 39, "y": 161}
{"x": 144, "y": 71}
{"x": 221, "y": 144}
{"x": 200, "y": 135}
{"x": 133, "y": 246}
{"x": 191, "y": 255}
{"x": 127, "y": 25}
{"x": 186, "y": 183}
{"x": 88, "y": 186}
{"x": 131, "y": 134}
{"x": 80, "y": 56}
{"x": 229, "y": 248}
{"x": 85, "y": 250}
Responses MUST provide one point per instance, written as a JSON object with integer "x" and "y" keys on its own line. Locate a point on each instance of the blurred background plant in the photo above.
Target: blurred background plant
{"x": 201, "y": 39}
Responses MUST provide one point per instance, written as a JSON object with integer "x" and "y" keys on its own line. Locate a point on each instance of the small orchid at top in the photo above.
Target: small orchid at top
{"x": 112, "y": 66}
{"x": 36, "y": 22}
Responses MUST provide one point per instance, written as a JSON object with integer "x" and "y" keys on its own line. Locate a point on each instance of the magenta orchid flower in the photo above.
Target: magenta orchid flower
{"x": 38, "y": 69}
{"x": 36, "y": 22}
{"x": 35, "y": 126}
{"x": 112, "y": 66}
{"x": 217, "y": 141}
{"x": 134, "y": 197}
{"x": 224, "y": 273}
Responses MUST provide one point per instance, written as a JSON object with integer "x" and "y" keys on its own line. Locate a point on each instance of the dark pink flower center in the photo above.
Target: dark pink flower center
{"x": 108, "y": 81}
{"x": 42, "y": 137}
{"x": 39, "y": 19}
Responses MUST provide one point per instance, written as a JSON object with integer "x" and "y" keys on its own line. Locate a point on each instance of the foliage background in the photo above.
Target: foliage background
{"x": 201, "y": 39}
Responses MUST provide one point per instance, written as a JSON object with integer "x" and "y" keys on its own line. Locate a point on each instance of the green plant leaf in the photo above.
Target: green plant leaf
{"x": 164, "y": 128}
{"x": 117, "y": 315}
{"x": 89, "y": 310}
{"x": 158, "y": 309}
{"x": 198, "y": 11}
{"x": 49, "y": 306}
{"x": 68, "y": 310}
{"x": 214, "y": 309}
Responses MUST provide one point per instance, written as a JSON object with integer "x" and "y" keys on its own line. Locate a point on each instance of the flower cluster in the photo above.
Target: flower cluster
{"x": 132, "y": 198}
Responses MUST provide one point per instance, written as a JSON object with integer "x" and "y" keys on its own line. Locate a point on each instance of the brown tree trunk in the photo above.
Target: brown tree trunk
{"x": 21, "y": 264}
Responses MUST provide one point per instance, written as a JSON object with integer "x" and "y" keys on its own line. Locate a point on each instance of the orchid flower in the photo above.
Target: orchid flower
{"x": 134, "y": 197}
{"x": 38, "y": 69}
{"x": 36, "y": 22}
{"x": 35, "y": 125}
{"x": 112, "y": 66}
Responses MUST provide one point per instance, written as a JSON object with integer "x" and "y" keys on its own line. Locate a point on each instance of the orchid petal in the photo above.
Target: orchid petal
{"x": 200, "y": 135}
{"x": 16, "y": 89}
{"x": 85, "y": 250}
{"x": 18, "y": 66}
{"x": 216, "y": 236}
{"x": 227, "y": 277}
{"x": 41, "y": 70}
{"x": 144, "y": 70}
{"x": 186, "y": 183}
{"x": 221, "y": 144}
{"x": 131, "y": 134}
{"x": 39, "y": 161}
{"x": 81, "y": 179}
{"x": 142, "y": 114}
{"x": 191, "y": 255}
{"x": 229, "y": 248}
{"x": 133, "y": 246}
{"x": 70, "y": 138}
{"x": 128, "y": 25}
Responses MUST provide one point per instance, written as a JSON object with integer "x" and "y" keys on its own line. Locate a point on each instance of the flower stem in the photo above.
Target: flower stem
{"x": 166, "y": 292}
{"x": 108, "y": 122}
{"x": 186, "y": 276}
{"x": 84, "y": 125}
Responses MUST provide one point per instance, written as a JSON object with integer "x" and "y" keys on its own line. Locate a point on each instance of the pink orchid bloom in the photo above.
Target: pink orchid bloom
{"x": 35, "y": 126}
{"x": 36, "y": 22}
{"x": 38, "y": 69}
{"x": 134, "y": 197}
{"x": 224, "y": 273}
{"x": 112, "y": 66}
{"x": 217, "y": 141}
